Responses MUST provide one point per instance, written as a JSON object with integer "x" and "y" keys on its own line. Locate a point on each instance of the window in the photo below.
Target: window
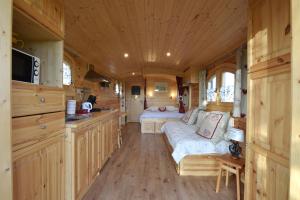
{"x": 67, "y": 73}
{"x": 211, "y": 89}
{"x": 117, "y": 88}
{"x": 227, "y": 88}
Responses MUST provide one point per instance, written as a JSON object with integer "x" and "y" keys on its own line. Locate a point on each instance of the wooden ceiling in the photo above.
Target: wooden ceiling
{"x": 195, "y": 32}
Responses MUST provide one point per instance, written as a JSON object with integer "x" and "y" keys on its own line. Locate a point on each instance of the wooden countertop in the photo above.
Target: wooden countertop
{"x": 94, "y": 117}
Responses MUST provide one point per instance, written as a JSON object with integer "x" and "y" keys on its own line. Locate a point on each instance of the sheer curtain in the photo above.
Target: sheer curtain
{"x": 202, "y": 89}
{"x": 180, "y": 93}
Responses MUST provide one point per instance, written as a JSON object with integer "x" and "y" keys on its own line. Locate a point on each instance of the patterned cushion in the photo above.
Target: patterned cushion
{"x": 201, "y": 116}
{"x": 214, "y": 126}
{"x": 162, "y": 109}
{"x": 190, "y": 116}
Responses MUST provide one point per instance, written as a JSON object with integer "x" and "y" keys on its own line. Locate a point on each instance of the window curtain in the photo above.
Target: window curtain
{"x": 145, "y": 95}
{"x": 179, "y": 81}
{"x": 238, "y": 84}
{"x": 202, "y": 90}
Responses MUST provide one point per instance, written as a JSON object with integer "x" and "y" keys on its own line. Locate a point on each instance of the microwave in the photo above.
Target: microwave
{"x": 25, "y": 67}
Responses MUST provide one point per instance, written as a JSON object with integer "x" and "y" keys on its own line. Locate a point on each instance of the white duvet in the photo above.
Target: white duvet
{"x": 185, "y": 141}
{"x": 160, "y": 115}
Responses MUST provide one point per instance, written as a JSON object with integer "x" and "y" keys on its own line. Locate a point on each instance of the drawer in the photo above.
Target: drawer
{"x": 148, "y": 127}
{"x": 30, "y": 99}
{"x": 32, "y": 129}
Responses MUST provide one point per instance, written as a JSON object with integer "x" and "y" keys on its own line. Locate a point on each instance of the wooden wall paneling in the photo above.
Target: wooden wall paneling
{"x": 295, "y": 129}
{"x": 51, "y": 56}
{"x": 161, "y": 98}
{"x": 194, "y": 90}
{"x": 269, "y": 101}
{"x": 5, "y": 100}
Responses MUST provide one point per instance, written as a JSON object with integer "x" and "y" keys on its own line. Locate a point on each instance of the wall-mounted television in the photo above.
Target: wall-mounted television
{"x": 135, "y": 90}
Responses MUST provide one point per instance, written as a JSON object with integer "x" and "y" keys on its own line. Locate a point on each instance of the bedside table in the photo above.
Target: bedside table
{"x": 229, "y": 164}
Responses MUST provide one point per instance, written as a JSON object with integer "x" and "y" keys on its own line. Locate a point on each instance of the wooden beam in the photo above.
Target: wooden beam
{"x": 295, "y": 135}
{"x": 5, "y": 107}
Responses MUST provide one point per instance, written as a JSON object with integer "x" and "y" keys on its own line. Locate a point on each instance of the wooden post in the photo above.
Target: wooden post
{"x": 295, "y": 135}
{"x": 5, "y": 101}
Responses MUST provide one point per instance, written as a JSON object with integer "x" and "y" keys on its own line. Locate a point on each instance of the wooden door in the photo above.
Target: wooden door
{"x": 81, "y": 162}
{"x": 269, "y": 101}
{"x": 53, "y": 158}
{"x": 93, "y": 153}
{"x": 134, "y": 103}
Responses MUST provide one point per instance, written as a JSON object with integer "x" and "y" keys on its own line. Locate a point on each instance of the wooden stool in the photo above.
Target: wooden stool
{"x": 232, "y": 165}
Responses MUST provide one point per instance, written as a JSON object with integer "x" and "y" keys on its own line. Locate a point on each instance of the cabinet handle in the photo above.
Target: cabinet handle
{"x": 43, "y": 126}
{"x": 42, "y": 99}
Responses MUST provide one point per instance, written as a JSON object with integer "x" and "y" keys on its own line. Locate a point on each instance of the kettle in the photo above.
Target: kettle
{"x": 87, "y": 106}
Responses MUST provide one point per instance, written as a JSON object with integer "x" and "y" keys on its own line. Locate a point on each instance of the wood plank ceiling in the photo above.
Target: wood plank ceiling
{"x": 195, "y": 32}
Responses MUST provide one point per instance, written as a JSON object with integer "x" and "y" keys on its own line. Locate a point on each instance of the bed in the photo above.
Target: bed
{"x": 192, "y": 154}
{"x": 152, "y": 120}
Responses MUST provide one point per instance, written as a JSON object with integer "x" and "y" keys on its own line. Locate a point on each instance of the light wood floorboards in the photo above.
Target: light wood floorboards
{"x": 143, "y": 169}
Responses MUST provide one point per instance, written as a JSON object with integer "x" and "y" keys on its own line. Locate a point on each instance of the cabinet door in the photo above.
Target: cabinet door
{"x": 269, "y": 30}
{"x": 81, "y": 162}
{"x": 93, "y": 153}
{"x": 48, "y": 13}
{"x": 38, "y": 171}
{"x": 28, "y": 177}
{"x": 53, "y": 156}
{"x": 100, "y": 160}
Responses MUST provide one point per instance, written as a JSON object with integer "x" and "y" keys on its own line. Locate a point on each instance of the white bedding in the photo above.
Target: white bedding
{"x": 160, "y": 115}
{"x": 185, "y": 141}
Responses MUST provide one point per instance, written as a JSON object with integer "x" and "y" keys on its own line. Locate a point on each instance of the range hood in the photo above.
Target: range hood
{"x": 93, "y": 76}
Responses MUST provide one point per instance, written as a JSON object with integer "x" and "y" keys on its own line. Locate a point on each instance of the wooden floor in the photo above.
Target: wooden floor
{"x": 143, "y": 169}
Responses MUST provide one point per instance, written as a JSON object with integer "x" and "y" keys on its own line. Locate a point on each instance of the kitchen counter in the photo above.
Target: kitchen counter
{"x": 93, "y": 117}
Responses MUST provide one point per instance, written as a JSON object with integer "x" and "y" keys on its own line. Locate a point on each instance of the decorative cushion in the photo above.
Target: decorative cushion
{"x": 190, "y": 116}
{"x": 152, "y": 108}
{"x": 172, "y": 108}
{"x": 214, "y": 126}
{"x": 162, "y": 109}
{"x": 201, "y": 116}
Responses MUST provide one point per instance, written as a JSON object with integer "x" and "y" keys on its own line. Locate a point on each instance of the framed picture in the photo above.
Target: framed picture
{"x": 160, "y": 87}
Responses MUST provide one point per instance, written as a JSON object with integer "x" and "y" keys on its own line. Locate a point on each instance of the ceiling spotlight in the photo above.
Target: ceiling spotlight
{"x": 126, "y": 55}
{"x": 168, "y": 54}
{"x": 133, "y": 73}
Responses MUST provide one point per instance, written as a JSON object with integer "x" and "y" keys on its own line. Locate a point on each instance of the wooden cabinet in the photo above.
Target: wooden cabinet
{"x": 30, "y": 99}
{"x": 269, "y": 101}
{"x": 38, "y": 171}
{"x": 48, "y": 13}
{"x": 269, "y": 30}
{"x": 38, "y": 142}
{"x": 88, "y": 147}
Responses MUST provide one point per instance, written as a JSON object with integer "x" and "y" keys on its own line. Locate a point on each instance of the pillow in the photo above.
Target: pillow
{"x": 162, "y": 109}
{"x": 190, "y": 116}
{"x": 171, "y": 108}
{"x": 152, "y": 108}
{"x": 214, "y": 126}
{"x": 200, "y": 118}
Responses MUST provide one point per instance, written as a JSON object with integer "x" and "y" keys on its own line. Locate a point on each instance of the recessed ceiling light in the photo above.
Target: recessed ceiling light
{"x": 168, "y": 54}
{"x": 133, "y": 73}
{"x": 126, "y": 55}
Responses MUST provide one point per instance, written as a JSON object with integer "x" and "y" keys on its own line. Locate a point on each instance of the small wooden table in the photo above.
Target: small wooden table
{"x": 232, "y": 165}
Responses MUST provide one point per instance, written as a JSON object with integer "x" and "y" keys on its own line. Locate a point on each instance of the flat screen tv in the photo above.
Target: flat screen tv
{"x": 135, "y": 90}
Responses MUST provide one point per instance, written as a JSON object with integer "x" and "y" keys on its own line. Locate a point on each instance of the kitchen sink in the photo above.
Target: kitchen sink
{"x": 70, "y": 118}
